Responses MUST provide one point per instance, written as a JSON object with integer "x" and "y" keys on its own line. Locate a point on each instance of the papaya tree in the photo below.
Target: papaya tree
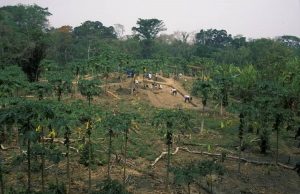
{"x": 40, "y": 89}
{"x": 12, "y": 79}
{"x": 113, "y": 123}
{"x": 194, "y": 171}
{"x": 168, "y": 121}
{"x": 60, "y": 82}
{"x": 185, "y": 175}
{"x": 26, "y": 115}
{"x": 208, "y": 167}
{"x": 202, "y": 88}
{"x": 264, "y": 102}
{"x": 123, "y": 124}
{"x": 89, "y": 89}
{"x": 223, "y": 78}
{"x": 103, "y": 65}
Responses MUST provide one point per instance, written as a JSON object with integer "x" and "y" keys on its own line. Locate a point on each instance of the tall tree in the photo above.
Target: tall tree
{"x": 25, "y": 38}
{"x": 147, "y": 30}
{"x": 61, "y": 48}
{"x": 214, "y": 38}
{"x": 89, "y": 35}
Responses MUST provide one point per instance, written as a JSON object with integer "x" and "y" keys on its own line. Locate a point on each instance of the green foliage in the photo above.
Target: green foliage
{"x": 264, "y": 142}
{"x": 25, "y": 39}
{"x": 245, "y": 83}
{"x": 111, "y": 187}
{"x": 202, "y": 89}
{"x": 185, "y": 175}
{"x": 61, "y": 82}
{"x": 117, "y": 122}
{"x": 12, "y": 79}
{"x": 192, "y": 172}
{"x": 40, "y": 89}
{"x": 172, "y": 120}
{"x": 267, "y": 54}
{"x": 84, "y": 155}
{"x": 148, "y": 28}
{"x": 57, "y": 188}
{"x": 89, "y": 88}
{"x": 93, "y": 30}
{"x": 213, "y": 38}
{"x": 54, "y": 154}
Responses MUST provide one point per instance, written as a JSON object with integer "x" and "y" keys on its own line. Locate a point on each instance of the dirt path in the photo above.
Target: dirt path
{"x": 163, "y": 98}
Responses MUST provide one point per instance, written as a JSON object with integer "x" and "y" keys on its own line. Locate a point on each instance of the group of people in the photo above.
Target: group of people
{"x": 187, "y": 98}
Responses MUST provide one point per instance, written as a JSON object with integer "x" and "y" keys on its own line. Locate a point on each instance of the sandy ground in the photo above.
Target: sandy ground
{"x": 163, "y": 98}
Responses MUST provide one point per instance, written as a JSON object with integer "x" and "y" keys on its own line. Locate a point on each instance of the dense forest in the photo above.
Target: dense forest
{"x": 80, "y": 112}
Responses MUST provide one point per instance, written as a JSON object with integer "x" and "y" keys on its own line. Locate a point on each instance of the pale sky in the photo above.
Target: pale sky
{"x": 251, "y": 18}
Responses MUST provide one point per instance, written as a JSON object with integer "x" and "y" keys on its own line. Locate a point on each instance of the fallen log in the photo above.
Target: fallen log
{"x": 199, "y": 144}
{"x": 163, "y": 154}
{"x": 256, "y": 162}
{"x": 112, "y": 94}
{"x": 8, "y": 148}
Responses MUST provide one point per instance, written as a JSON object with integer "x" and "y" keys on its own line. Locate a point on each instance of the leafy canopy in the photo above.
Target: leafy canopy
{"x": 148, "y": 28}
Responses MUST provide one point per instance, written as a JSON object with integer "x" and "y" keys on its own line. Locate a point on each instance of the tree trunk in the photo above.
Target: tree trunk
{"x": 1, "y": 177}
{"x": 68, "y": 168}
{"x": 59, "y": 95}
{"x": 65, "y": 55}
{"x": 221, "y": 108}
{"x": 43, "y": 162}
{"x": 277, "y": 138}
{"x": 90, "y": 174}
{"x": 88, "y": 52}
{"x": 16, "y": 131}
{"x": 132, "y": 85}
{"x": 109, "y": 153}
{"x": 240, "y": 151}
{"x": 168, "y": 166}
{"x": 105, "y": 88}
{"x": 28, "y": 166}
{"x": 211, "y": 184}
{"x": 125, "y": 157}
{"x": 202, "y": 125}
{"x": 189, "y": 188}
